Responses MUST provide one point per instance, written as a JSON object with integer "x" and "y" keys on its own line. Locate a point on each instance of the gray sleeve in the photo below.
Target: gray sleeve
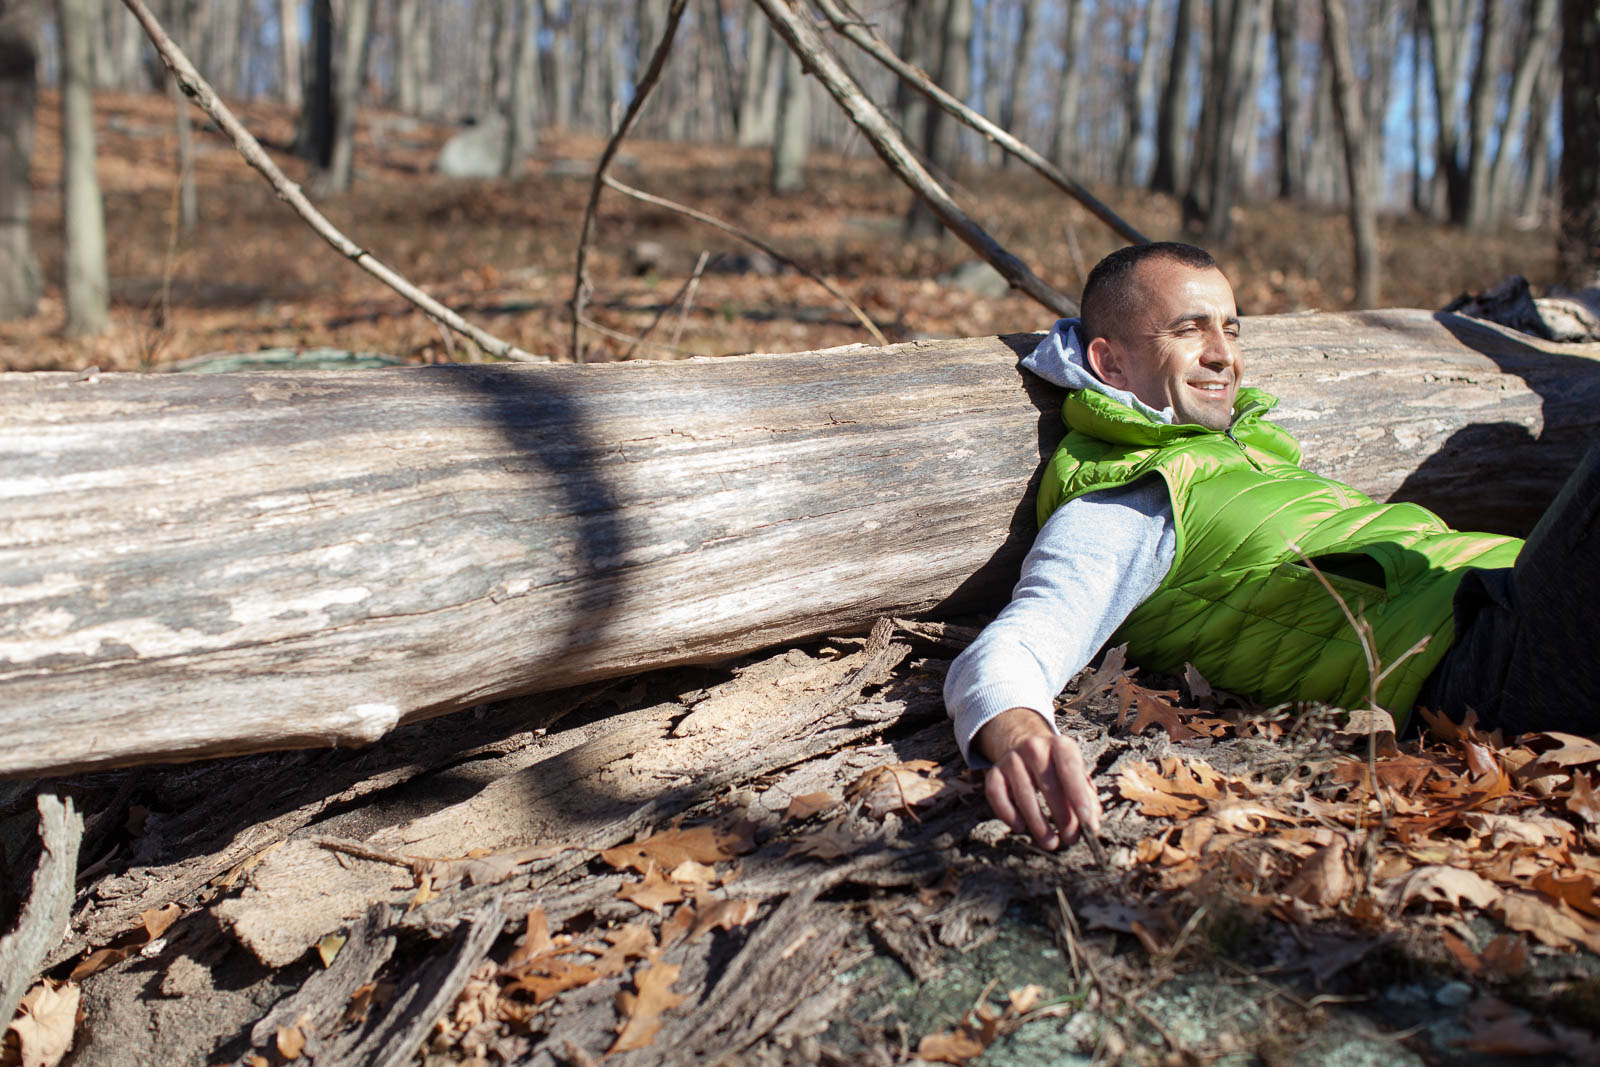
{"x": 1096, "y": 559}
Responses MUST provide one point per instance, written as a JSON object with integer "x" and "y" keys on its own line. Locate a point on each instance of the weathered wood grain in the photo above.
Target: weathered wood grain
{"x": 195, "y": 566}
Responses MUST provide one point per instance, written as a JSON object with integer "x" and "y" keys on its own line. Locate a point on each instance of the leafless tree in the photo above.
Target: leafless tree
{"x": 20, "y": 24}
{"x": 1358, "y": 162}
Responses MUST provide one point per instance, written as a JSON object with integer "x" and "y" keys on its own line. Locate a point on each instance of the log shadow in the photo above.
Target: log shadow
{"x": 1503, "y": 453}
{"x": 989, "y": 587}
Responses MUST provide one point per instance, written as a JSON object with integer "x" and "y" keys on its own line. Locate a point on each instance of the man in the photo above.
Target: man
{"x": 1176, "y": 518}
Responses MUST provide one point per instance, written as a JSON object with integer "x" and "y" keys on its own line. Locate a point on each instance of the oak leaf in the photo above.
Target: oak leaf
{"x": 642, "y": 1009}
{"x": 1109, "y": 672}
{"x": 957, "y": 1047}
{"x": 1578, "y": 891}
{"x": 803, "y": 807}
{"x": 1441, "y": 885}
{"x": 1583, "y": 801}
{"x": 722, "y": 915}
{"x": 1552, "y": 922}
{"x": 652, "y": 892}
{"x": 905, "y": 786}
{"x": 1569, "y": 750}
{"x": 706, "y": 843}
{"x": 1324, "y": 878}
{"x": 47, "y": 1017}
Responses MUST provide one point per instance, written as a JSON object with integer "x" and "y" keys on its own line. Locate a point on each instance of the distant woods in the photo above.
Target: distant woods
{"x": 1454, "y": 107}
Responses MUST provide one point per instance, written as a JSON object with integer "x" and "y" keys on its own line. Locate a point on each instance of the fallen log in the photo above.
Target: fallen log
{"x": 209, "y": 565}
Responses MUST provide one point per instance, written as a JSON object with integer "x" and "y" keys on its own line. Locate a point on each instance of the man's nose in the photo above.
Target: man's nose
{"x": 1219, "y": 351}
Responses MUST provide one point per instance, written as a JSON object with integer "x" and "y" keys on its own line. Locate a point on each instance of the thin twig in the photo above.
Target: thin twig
{"x": 798, "y": 32}
{"x": 1070, "y": 923}
{"x": 688, "y": 296}
{"x": 580, "y": 282}
{"x": 700, "y": 216}
{"x": 205, "y": 98}
{"x": 856, "y": 31}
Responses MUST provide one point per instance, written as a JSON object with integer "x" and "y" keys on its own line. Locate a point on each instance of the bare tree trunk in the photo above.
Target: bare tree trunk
{"x": 1213, "y": 184}
{"x": 1537, "y": 52}
{"x": 1358, "y": 163}
{"x": 1419, "y": 188}
{"x": 558, "y": 19}
{"x": 1015, "y": 99}
{"x": 1291, "y": 134}
{"x": 353, "y": 38}
{"x": 314, "y": 138}
{"x": 290, "y": 75}
{"x": 919, "y": 44}
{"x": 754, "y": 127}
{"x": 1144, "y": 87}
{"x": 727, "y": 89}
{"x": 1485, "y": 95}
{"x": 794, "y": 128}
{"x": 524, "y": 103}
{"x": 1578, "y": 246}
{"x": 1172, "y": 119}
{"x": 407, "y": 72}
{"x": 1536, "y": 190}
{"x": 1448, "y": 28}
{"x": 20, "y": 24}
{"x": 86, "y": 287}
{"x": 941, "y": 143}
{"x": 1069, "y": 91}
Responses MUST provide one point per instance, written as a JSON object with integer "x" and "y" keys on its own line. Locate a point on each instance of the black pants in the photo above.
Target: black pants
{"x": 1527, "y": 649}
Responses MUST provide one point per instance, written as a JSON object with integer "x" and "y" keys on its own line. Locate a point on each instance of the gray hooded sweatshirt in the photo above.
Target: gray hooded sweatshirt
{"x": 1095, "y": 560}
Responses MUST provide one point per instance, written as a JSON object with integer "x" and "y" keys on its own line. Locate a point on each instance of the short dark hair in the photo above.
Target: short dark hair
{"x": 1110, "y": 284}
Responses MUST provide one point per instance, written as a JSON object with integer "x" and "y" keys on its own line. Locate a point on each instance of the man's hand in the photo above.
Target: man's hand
{"x": 1029, "y": 760}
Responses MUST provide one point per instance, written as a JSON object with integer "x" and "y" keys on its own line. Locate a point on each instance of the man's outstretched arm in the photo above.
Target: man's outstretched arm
{"x": 1094, "y": 561}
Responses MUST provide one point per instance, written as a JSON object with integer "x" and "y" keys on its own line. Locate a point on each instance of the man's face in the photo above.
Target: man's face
{"x": 1178, "y": 345}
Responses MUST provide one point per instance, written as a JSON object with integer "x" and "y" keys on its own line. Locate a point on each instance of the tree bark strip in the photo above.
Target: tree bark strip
{"x": 217, "y": 564}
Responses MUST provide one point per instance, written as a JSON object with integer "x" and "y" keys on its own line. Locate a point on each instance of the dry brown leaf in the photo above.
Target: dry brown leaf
{"x": 1102, "y": 679}
{"x": 706, "y": 843}
{"x": 642, "y": 1010}
{"x": 630, "y": 942}
{"x": 97, "y": 961}
{"x": 1323, "y": 879}
{"x": 690, "y": 873}
{"x": 1199, "y": 688}
{"x": 803, "y": 807}
{"x": 1402, "y": 774}
{"x": 157, "y": 921}
{"x": 535, "y": 938}
{"x": 1467, "y": 959}
{"x": 681, "y": 923}
{"x": 1553, "y": 923}
{"x": 1569, "y": 750}
{"x": 957, "y": 1047}
{"x": 723, "y": 915}
{"x": 1508, "y": 1035}
{"x": 1177, "y": 789}
{"x": 1578, "y": 891}
{"x": 1440, "y": 885}
{"x": 651, "y": 892}
{"x": 1582, "y": 801}
{"x": 905, "y": 786}
{"x": 827, "y": 842}
{"x": 552, "y": 977}
{"x": 291, "y": 1041}
{"x": 1506, "y": 955}
{"x": 47, "y": 1017}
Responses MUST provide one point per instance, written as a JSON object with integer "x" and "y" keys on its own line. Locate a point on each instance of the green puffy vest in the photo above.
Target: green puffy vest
{"x": 1239, "y": 603}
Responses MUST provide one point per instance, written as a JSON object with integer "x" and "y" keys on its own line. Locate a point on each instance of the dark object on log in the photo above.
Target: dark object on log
{"x": 202, "y": 565}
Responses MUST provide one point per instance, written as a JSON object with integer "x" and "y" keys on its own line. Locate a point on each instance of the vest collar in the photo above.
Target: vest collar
{"x": 1099, "y": 416}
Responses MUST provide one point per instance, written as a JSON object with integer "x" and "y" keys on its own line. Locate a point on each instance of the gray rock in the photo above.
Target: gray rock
{"x": 1453, "y": 995}
{"x": 479, "y": 151}
{"x": 978, "y": 278}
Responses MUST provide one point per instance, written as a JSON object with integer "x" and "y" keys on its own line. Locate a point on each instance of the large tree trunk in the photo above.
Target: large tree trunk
{"x": 353, "y": 39}
{"x": 793, "y": 138}
{"x": 215, "y": 564}
{"x": 1291, "y": 132}
{"x": 1172, "y": 118}
{"x": 20, "y": 22}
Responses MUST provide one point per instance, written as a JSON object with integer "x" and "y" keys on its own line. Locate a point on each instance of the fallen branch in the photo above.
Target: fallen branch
{"x": 856, "y": 31}
{"x": 796, "y": 29}
{"x": 581, "y": 288}
{"x": 44, "y": 916}
{"x": 206, "y": 99}
{"x": 749, "y": 238}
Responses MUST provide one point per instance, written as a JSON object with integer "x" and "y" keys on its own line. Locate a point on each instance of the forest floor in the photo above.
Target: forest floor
{"x": 251, "y": 276}
{"x": 784, "y": 861}
{"x": 780, "y": 860}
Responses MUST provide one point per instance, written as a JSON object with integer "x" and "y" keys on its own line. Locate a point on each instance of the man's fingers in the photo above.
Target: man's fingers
{"x": 994, "y": 788}
{"x": 1022, "y": 787}
{"x": 1070, "y": 795}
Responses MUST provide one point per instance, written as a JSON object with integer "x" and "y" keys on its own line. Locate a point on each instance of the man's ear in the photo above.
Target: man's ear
{"x": 1103, "y": 359}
